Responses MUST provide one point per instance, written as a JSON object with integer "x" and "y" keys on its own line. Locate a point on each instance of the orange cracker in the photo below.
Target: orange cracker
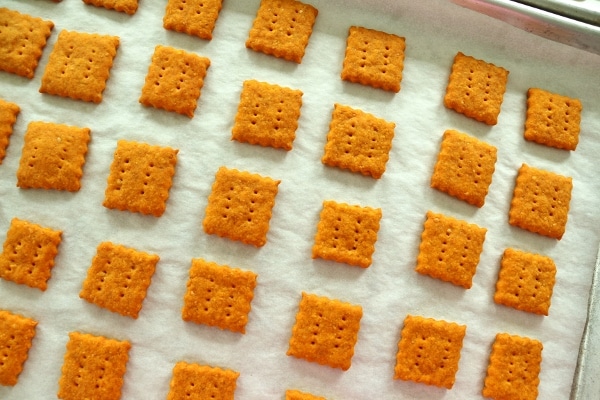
{"x": 552, "y": 119}
{"x": 374, "y": 58}
{"x": 429, "y": 351}
{"x": 358, "y": 141}
{"x": 476, "y": 89}
{"x": 514, "y": 368}
{"x": 240, "y": 206}
{"x": 8, "y": 117}
{"x": 540, "y": 202}
{"x": 174, "y": 80}
{"x": 119, "y": 278}
{"x": 198, "y": 382}
{"x": 140, "y": 178}
{"x": 218, "y": 295}
{"x": 464, "y": 167}
{"x": 22, "y": 39}
{"x": 126, "y": 6}
{"x": 267, "y": 115}
{"x": 450, "y": 249}
{"x": 347, "y": 233}
{"x": 93, "y": 368}
{"x": 53, "y": 156}
{"x": 194, "y": 17}
{"x": 79, "y": 65}
{"x": 282, "y": 29}
{"x": 16, "y": 334}
{"x": 525, "y": 281}
{"x": 28, "y": 254}
{"x": 325, "y": 331}
{"x": 297, "y": 395}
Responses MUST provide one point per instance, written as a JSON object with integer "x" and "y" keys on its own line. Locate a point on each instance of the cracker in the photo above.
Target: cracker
{"x": 28, "y": 254}
{"x": 198, "y": 382}
{"x": 476, "y": 88}
{"x": 140, "y": 178}
{"x": 429, "y": 351}
{"x": 126, "y": 6}
{"x": 450, "y": 249}
{"x": 325, "y": 331}
{"x": 374, "y": 58}
{"x": 194, "y": 17}
{"x": 552, "y": 119}
{"x": 282, "y": 29}
{"x": 22, "y": 40}
{"x": 514, "y": 368}
{"x": 119, "y": 278}
{"x": 174, "y": 80}
{"x": 218, "y": 295}
{"x": 240, "y": 206}
{"x": 358, "y": 141}
{"x": 525, "y": 281}
{"x": 8, "y": 117}
{"x": 541, "y": 201}
{"x": 16, "y": 335}
{"x": 464, "y": 167}
{"x": 53, "y": 156}
{"x": 79, "y": 65}
{"x": 347, "y": 233}
{"x": 267, "y": 115}
{"x": 93, "y": 367}
{"x": 297, "y": 395}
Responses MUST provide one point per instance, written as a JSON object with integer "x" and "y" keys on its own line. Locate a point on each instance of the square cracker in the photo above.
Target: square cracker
{"x": 450, "y": 249}
{"x": 79, "y": 65}
{"x": 53, "y": 156}
{"x": 22, "y": 39}
{"x": 16, "y": 335}
{"x": 514, "y": 368}
{"x": 8, "y": 117}
{"x": 347, "y": 233}
{"x": 194, "y": 17}
{"x": 198, "y": 382}
{"x": 358, "y": 141}
{"x": 429, "y": 351}
{"x": 267, "y": 115}
{"x": 464, "y": 167}
{"x": 552, "y": 119}
{"x": 126, "y": 6}
{"x": 28, "y": 254}
{"x": 541, "y": 201}
{"x": 218, "y": 295}
{"x": 174, "y": 80}
{"x": 525, "y": 281}
{"x": 93, "y": 367}
{"x": 140, "y": 178}
{"x": 240, "y": 206}
{"x": 119, "y": 278}
{"x": 282, "y": 29}
{"x": 374, "y": 58}
{"x": 476, "y": 88}
{"x": 325, "y": 331}
{"x": 298, "y": 395}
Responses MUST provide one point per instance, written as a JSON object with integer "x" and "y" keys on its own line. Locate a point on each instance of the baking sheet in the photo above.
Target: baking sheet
{"x": 389, "y": 289}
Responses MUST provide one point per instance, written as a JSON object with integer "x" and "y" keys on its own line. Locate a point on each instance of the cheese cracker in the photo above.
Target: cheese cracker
{"x": 198, "y": 382}
{"x": 194, "y": 17}
{"x": 16, "y": 335}
{"x": 8, "y": 116}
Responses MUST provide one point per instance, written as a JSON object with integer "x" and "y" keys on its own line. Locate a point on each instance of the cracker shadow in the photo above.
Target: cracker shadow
{"x": 544, "y": 152}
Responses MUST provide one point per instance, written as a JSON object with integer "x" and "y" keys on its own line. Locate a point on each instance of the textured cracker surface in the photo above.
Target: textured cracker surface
{"x": 298, "y": 395}
{"x": 199, "y": 382}
{"x": 194, "y": 17}
{"x": 16, "y": 334}
{"x": 8, "y": 116}
{"x": 126, "y": 6}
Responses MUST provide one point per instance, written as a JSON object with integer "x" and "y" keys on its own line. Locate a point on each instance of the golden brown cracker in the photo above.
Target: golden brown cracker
{"x": 267, "y": 115}
{"x": 194, "y": 17}
{"x": 22, "y": 39}
{"x": 282, "y": 29}
{"x": 218, "y": 295}
{"x": 358, "y": 141}
{"x": 16, "y": 335}
{"x": 240, "y": 206}
{"x": 119, "y": 278}
{"x": 476, "y": 88}
{"x": 28, "y": 254}
{"x": 8, "y": 117}
{"x": 298, "y": 395}
{"x": 374, "y": 58}
{"x": 79, "y": 65}
{"x": 347, "y": 233}
{"x": 140, "y": 178}
{"x": 126, "y": 6}
{"x": 464, "y": 167}
{"x": 53, "y": 156}
{"x": 541, "y": 201}
{"x": 325, "y": 331}
{"x": 198, "y": 382}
